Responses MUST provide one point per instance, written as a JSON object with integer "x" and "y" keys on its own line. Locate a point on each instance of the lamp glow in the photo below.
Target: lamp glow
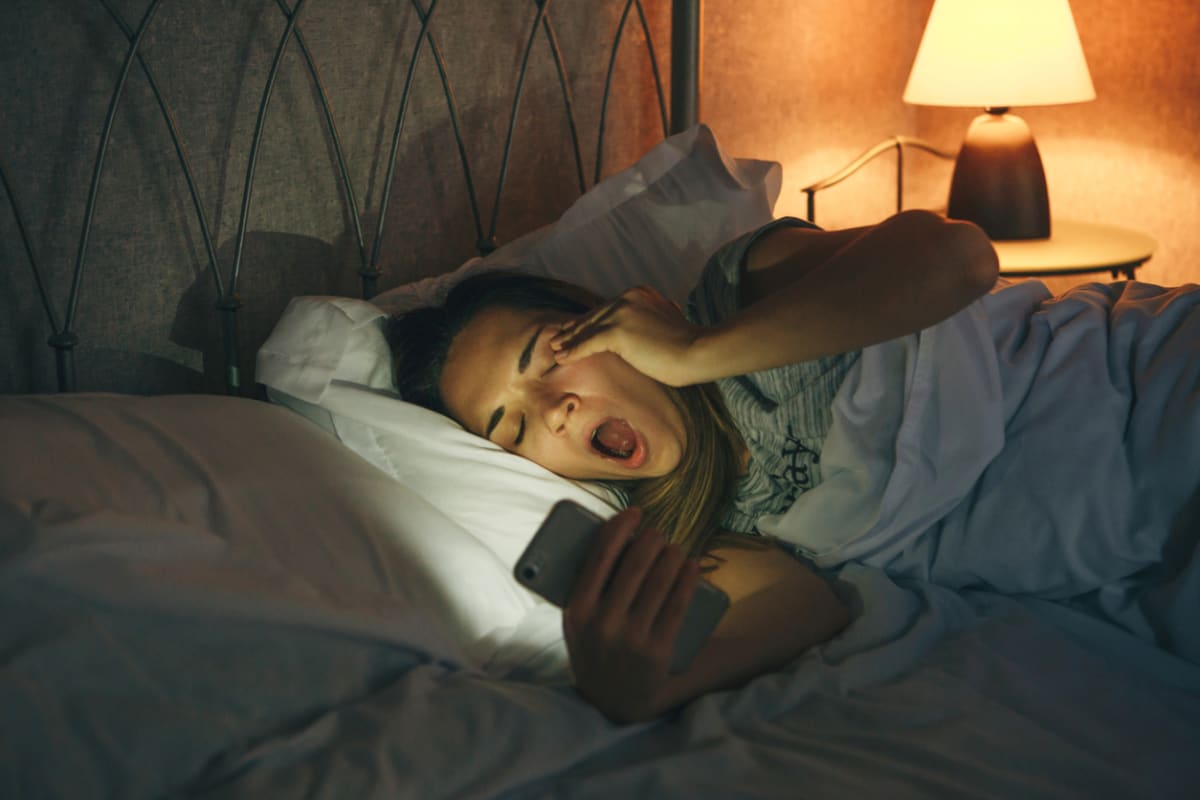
{"x": 996, "y": 54}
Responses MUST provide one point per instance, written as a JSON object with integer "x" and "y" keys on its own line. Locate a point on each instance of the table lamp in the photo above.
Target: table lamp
{"x": 998, "y": 54}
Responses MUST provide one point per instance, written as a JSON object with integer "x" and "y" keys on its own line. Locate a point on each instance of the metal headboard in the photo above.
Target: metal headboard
{"x": 897, "y": 143}
{"x": 66, "y": 335}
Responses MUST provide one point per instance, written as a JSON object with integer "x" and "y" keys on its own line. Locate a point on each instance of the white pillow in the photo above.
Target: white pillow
{"x": 499, "y": 497}
{"x": 234, "y": 504}
{"x": 327, "y": 358}
{"x": 656, "y": 223}
{"x": 322, "y": 339}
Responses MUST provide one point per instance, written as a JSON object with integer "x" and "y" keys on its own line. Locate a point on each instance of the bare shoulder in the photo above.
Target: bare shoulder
{"x": 782, "y": 243}
{"x": 786, "y": 254}
{"x": 774, "y": 597}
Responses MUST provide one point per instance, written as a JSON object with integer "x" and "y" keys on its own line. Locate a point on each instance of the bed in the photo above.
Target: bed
{"x": 234, "y": 564}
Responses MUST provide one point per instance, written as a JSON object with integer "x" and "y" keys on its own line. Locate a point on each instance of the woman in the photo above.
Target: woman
{"x": 624, "y": 391}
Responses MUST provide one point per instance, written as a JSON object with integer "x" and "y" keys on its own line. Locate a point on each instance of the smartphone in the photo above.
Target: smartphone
{"x": 557, "y": 553}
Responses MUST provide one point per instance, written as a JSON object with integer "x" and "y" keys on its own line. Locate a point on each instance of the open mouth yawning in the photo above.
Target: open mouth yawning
{"x": 615, "y": 438}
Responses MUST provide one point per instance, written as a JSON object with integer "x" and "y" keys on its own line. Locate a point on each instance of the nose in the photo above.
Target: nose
{"x": 558, "y": 411}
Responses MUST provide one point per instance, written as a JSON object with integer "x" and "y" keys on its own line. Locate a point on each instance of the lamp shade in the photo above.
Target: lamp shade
{"x": 999, "y": 53}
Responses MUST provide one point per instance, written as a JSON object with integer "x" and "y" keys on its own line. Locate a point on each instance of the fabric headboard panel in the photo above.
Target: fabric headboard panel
{"x": 140, "y": 287}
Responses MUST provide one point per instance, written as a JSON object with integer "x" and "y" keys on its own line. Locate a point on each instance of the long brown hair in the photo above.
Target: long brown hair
{"x": 687, "y": 504}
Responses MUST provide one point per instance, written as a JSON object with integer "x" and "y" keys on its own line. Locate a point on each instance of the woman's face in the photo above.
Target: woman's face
{"x": 596, "y": 418}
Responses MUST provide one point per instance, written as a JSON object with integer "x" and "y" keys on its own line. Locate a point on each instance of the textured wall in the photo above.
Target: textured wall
{"x": 1132, "y": 156}
{"x": 811, "y": 84}
{"x": 145, "y": 313}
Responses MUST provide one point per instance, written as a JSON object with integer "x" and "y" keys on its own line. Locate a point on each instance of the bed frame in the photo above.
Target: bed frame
{"x": 172, "y": 176}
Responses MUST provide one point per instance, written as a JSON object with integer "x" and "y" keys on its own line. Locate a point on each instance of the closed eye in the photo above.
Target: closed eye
{"x": 521, "y": 427}
{"x": 523, "y": 363}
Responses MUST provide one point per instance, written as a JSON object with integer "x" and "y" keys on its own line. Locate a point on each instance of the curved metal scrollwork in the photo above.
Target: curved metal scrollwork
{"x": 897, "y": 143}
{"x": 64, "y": 340}
{"x": 612, "y": 64}
{"x": 64, "y": 337}
{"x": 37, "y": 274}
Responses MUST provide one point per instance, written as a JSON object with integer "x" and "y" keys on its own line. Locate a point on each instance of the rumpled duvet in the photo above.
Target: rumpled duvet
{"x": 1040, "y": 447}
{"x": 205, "y": 597}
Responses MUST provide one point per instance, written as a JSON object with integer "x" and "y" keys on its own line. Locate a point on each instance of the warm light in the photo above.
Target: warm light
{"x": 999, "y": 53}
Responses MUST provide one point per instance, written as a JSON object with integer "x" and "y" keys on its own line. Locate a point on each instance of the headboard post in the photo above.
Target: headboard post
{"x": 229, "y": 305}
{"x": 685, "y": 64}
{"x": 64, "y": 358}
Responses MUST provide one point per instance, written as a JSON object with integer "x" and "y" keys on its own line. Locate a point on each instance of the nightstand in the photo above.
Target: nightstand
{"x": 1074, "y": 248}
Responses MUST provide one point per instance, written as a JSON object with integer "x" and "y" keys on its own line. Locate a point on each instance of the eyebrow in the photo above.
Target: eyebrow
{"x": 527, "y": 353}
{"x": 522, "y": 365}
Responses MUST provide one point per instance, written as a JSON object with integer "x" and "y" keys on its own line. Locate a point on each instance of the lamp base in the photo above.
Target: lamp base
{"x": 998, "y": 179}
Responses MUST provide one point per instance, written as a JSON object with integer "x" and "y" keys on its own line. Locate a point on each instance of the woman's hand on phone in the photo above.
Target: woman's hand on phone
{"x": 624, "y": 615}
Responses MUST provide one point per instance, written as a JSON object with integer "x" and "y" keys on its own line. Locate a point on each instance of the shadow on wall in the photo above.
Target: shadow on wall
{"x": 197, "y": 363}
{"x": 280, "y": 261}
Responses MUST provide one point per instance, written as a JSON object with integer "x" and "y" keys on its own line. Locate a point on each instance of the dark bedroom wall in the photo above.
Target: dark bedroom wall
{"x": 146, "y": 311}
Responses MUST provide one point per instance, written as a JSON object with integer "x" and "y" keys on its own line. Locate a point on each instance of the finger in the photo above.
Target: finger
{"x": 657, "y": 586}
{"x": 582, "y": 331}
{"x": 635, "y": 564}
{"x": 586, "y": 343}
{"x": 670, "y": 617}
{"x": 612, "y": 538}
{"x": 575, "y": 327}
{"x": 564, "y": 330}
{"x": 585, "y": 332}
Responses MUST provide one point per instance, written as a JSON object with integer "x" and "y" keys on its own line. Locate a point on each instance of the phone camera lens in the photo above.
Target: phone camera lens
{"x": 529, "y": 572}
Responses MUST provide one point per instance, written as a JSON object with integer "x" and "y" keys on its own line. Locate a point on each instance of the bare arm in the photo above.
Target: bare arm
{"x": 628, "y": 603}
{"x": 778, "y": 609}
{"x": 807, "y": 294}
{"x": 911, "y": 271}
